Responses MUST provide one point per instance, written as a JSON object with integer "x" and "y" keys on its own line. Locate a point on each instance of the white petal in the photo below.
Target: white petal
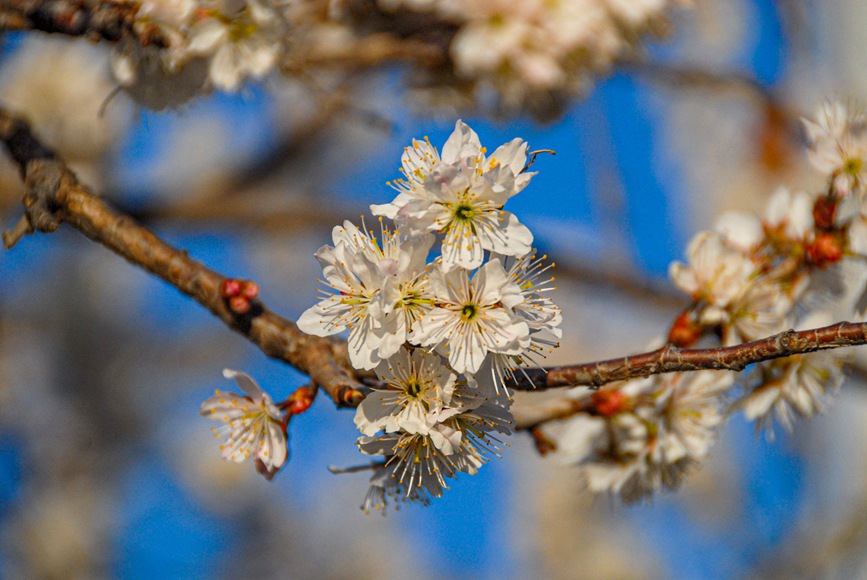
{"x": 247, "y": 384}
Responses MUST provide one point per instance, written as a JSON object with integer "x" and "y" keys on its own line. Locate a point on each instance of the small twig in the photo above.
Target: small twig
{"x": 18, "y": 231}
{"x": 355, "y": 468}
{"x": 531, "y": 157}
{"x": 670, "y": 359}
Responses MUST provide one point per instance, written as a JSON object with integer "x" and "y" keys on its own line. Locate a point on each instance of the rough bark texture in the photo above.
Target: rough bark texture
{"x": 670, "y": 359}
{"x": 103, "y": 20}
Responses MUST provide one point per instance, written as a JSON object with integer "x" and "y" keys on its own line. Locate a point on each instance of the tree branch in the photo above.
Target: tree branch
{"x": 53, "y": 196}
{"x": 98, "y": 20}
{"x": 670, "y": 359}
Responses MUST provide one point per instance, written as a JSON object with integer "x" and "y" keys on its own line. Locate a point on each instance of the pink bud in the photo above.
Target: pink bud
{"x": 230, "y": 287}
{"x": 239, "y": 305}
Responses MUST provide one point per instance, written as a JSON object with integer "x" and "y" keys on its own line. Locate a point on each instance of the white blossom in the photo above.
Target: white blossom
{"x": 174, "y": 13}
{"x": 764, "y": 309}
{"x": 537, "y": 309}
{"x": 60, "y": 85}
{"x": 417, "y": 386}
{"x": 384, "y": 487}
{"x": 244, "y": 42}
{"x": 741, "y": 231}
{"x": 420, "y": 464}
{"x": 838, "y": 145}
{"x": 253, "y": 423}
{"x": 155, "y": 78}
{"x": 716, "y": 274}
{"x": 473, "y": 318}
{"x": 356, "y": 268}
{"x": 794, "y": 386}
{"x": 461, "y": 195}
{"x": 790, "y": 214}
{"x": 658, "y": 428}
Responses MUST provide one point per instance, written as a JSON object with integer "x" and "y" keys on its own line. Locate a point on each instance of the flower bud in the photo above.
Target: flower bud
{"x": 249, "y": 289}
{"x": 825, "y": 249}
{"x": 685, "y": 330}
{"x": 239, "y": 305}
{"x": 824, "y": 211}
{"x": 230, "y": 287}
{"x": 608, "y": 402}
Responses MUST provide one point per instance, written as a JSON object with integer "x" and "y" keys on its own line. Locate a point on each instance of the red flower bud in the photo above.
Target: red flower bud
{"x": 608, "y": 402}
{"x": 230, "y": 287}
{"x": 239, "y": 305}
{"x": 300, "y": 401}
{"x": 824, "y": 211}
{"x": 249, "y": 289}
{"x": 825, "y": 249}
{"x": 685, "y": 331}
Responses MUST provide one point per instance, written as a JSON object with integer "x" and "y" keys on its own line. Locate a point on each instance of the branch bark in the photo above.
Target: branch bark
{"x": 670, "y": 359}
{"x": 98, "y": 20}
{"x": 54, "y": 196}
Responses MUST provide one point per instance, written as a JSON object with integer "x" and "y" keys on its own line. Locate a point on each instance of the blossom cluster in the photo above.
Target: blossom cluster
{"x": 443, "y": 329}
{"x": 217, "y": 43}
{"x": 525, "y": 52}
{"x": 635, "y": 437}
{"x": 748, "y": 278}
{"x": 524, "y": 48}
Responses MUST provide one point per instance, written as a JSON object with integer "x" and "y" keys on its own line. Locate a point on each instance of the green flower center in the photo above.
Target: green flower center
{"x": 468, "y": 312}
{"x": 464, "y": 212}
{"x": 413, "y": 387}
{"x": 853, "y": 165}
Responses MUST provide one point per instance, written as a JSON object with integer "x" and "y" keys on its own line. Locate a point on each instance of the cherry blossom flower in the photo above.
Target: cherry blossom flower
{"x": 658, "y": 429}
{"x": 790, "y": 214}
{"x": 462, "y": 195}
{"x": 792, "y": 387}
{"x": 542, "y": 316}
{"x": 415, "y": 463}
{"x": 838, "y": 145}
{"x": 417, "y": 386}
{"x": 419, "y": 464}
{"x": 741, "y": 231}
{"x": 716, "y": 274}
{"x": 765, "y": 308}
{"x": 241, "y": 39}
{"x": 473, "y": 318}
{"x": 253, "y": 424}
{"x": 158, "y": 79}
{"x": 357, "y": 267}
{"x": 795, "y": 386}
{"x": 385, "y": 487}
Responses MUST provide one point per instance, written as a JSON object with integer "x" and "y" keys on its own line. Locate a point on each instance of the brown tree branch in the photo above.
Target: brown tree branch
{"x": 98, "y": 20}
{"x": 54, "y": 196}
{"x": 670, "y": 359}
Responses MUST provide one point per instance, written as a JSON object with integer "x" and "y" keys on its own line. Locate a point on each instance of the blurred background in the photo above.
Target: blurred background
{"x": 106, "y": 469}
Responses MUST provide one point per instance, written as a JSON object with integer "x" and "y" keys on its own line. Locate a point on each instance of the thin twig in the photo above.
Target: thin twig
{"x": 670, "y": 359}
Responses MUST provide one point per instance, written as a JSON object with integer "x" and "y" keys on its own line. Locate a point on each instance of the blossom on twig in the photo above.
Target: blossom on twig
{"x": 254, "y": 426}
